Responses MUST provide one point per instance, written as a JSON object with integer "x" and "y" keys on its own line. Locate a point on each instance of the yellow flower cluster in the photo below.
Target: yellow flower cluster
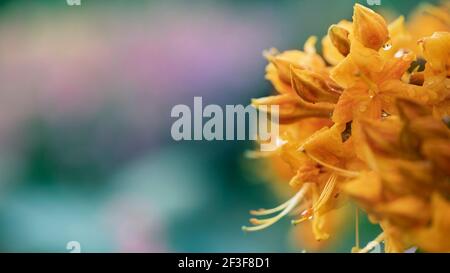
{"x": 369, "y": 120}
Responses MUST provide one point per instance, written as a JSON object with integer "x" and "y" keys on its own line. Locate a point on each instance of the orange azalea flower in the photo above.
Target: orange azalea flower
{"x": 302, "y": 80}
{"x": 365, "y": 122}
{"x": 407, "y": 189}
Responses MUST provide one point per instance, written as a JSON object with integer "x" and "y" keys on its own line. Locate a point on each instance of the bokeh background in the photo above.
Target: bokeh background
{"x": 85, "y": 99}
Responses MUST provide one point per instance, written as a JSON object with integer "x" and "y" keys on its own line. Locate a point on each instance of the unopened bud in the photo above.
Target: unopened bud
{"x": 369, "y": 27}
{"x": 313, "y": 87}
{"x": 339, "y": 38}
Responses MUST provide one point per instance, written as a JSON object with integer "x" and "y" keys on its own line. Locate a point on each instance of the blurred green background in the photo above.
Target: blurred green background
{"x": 85, "y": 100}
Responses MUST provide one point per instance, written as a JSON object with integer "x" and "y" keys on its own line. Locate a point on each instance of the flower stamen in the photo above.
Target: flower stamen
{"x": 326, "y": 192}
{"x": 338, "y": 170}
{"x": 285, "y": 208}
{"x": 323, "y": 198}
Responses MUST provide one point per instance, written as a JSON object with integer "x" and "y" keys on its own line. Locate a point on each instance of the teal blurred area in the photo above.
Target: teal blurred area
{"x": 85, "y": 99}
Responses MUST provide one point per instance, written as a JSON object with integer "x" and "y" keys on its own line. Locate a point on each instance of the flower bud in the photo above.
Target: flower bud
{"x": 313, "y": 87}
{"x": 339, "y": 38}
{"x": 369, "y": 27}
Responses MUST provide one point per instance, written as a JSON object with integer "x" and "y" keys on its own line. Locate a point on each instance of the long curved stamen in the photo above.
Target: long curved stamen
{"x": 291, "y": 204}
{"x": 334, "y": 168}
{"x": 306, "y": 214}
{"x": 262, "y": 212}
{"x": 323, "y": 198}
{"x": 326, "y": 192}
